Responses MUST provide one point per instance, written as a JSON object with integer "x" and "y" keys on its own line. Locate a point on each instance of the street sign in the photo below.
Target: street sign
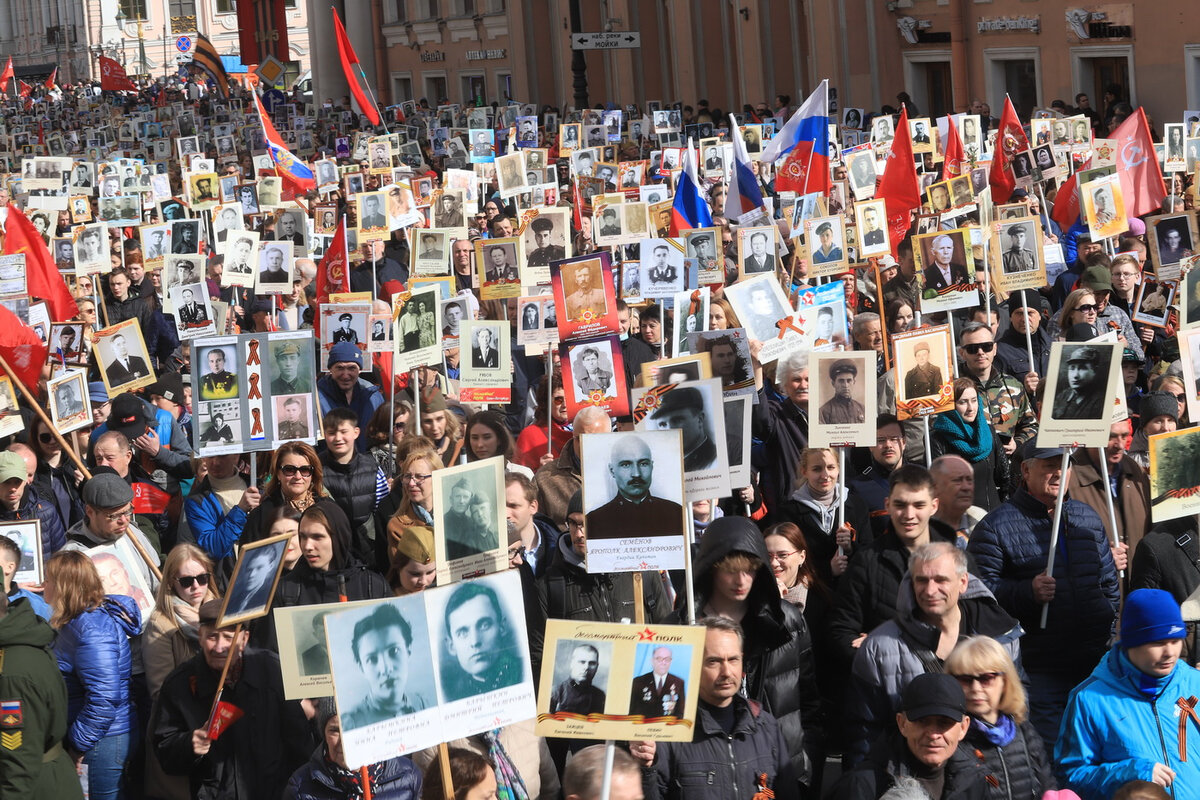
{"x": 183, "y": 44}
{"x": 615, "y": 40}
{"x": 273, "y": 98}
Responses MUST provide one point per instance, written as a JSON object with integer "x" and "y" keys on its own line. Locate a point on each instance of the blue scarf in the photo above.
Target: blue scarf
{"x": 999, "y": 734}
{"x": 1149, "y": 685}
{"x": 972, "y": 441}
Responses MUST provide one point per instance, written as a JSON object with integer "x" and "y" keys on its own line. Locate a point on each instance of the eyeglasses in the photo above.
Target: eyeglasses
{"x": 575, "y": 526}
{"x": 119, "y": 515}
{"x": 979, "y": 347}
{"x": 414, "y": 477}
{"x": 186, "y": 581}
{"x": 985, "y": 679}
{"x": 782, "y": 555}
{"x": 291, "y": 469}
{"x": 1181, "y": 398}
{"x": 1087, "y": 307}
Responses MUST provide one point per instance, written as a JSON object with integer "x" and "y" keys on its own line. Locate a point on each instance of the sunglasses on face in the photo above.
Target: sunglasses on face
{"x": 186, "y": 581}
{"x": 985, "y": 679}
{"x": 290, "y": 470}
{"x": 979, "y": 347}
{"x": 1087, "y": 307}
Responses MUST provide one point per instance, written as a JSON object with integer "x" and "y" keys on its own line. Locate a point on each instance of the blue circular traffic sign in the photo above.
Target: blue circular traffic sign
{"x": 183, "y": 44}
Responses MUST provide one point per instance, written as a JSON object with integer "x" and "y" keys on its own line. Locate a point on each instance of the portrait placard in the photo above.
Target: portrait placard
{"x": 756, "y": 251}
{"x": 1174, "y": 474}
{"x": 486, "y": 372}
{"x": 676, "y": 370}
{"x": 594, "y": 369}
{"x": 241, "y": 255}
{"x": 275, "y": 268}
{"x": 873, "y": 239}
{"x": 633, "y": 500}
{"x": 729, "y": 354}
{"x": 470, "y": 537}
{"x": 860, "y": 166}
{"x": 537, "y": 320}
{"x": 431, "y": 255}
{"x": 417, "y": 325}
{"x": 822, "y": 316}
{"x": 454, "y": 311}
{"x": 1153, "y": 302}
{"x": 27, "y": 535}
{"x": 1104, "y": 207}
{"x": 192, "y": 309}
{"x": 924, "y": 372}
{"x": 691, "y": 315}
{"x": 91, "y": 249}
{"x": 1172, "y": 238}
{"x": 700, "y": 247}
{"x": 303, "y": 652}
{"x": 738, "y": 408}
{"x": 70, "y": 404}
{"x": 945, "y": 270}
{"x": 825, "y": 238}
{"x": 844, "y": 394}
{"x": 124, "y": 359}
{"x": 122, "y": 571}
{"x": 11, "y": 421}
{"x": 419, "y": 670}
{"x": 1078, "y": 405}
{"x": 763, "y": 309}
{"x": 255, "y": 576}
{"x": 696, "y": 409}
{"x": 499, "y": 274}
{"x": 1017, "y": 260}
{"x": 544, "y": 239}
{"x": 602, "y": 680}
{"x": 583, "y": 290}
{"x": 1189, "y": 357}
{"x": 342, "y": 322}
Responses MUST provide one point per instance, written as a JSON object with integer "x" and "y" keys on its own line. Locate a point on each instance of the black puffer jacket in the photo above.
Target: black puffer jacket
{"x": 305, "y": 586}
{"x": 780, "y": 672}
{"x": 890, "y": 758}
{"x": 568, "y": 591}
{"x": 822, "y": 546}
{"x": 1018, "y": 770}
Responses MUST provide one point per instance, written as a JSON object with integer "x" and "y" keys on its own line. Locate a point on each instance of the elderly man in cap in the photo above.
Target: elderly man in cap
{"x": 682, "y": 409}
{"x": 932, "y": 722}
{"x": 256, "y": 753}
{"x": 828, "y": 252}
{"x": 1018, "y": 258}
{"x": 1134, "y": 718}
{"x": 924, "y": 379}
{"x": 156, "y": 432}
{"x": 1086, "y": 395}
{"x": 842, "y": 408}
{"x": 1011, "y": 546}
{"x": 108, "y": 512}
{"x": 286, "y": 377}
{"x": 545, "y": 251}
{"x": 342, "y": 388}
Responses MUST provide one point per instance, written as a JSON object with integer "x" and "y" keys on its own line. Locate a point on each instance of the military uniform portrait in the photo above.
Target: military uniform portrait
{"x": 1082, "y": 383}
{"x": 545, "y": 240}
{"x": 1018, "y": 255}
{"x": 844, "y": 407}
{"x": 292, "y": 367}
{"x": 580, "y": 672}
{"x": 633, "y": 484}
{"x": 658, "y": 691}
{"x": 218, "y": 372}
{"x": 292, "y": 418}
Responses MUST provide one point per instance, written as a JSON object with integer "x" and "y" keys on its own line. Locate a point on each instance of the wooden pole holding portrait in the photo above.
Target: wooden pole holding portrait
{"x": 237, "y": 631}
{"x": 1058, "y": 509}
{"x": 1108, "y": 500}
{"x": 550, "y": 401}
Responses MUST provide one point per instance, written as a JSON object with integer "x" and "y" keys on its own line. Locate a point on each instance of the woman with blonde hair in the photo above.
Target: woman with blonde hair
{"x": 1001, "y": 735}
{"x": 94, "y": 658}
{"x": 415, "y": 475}
{"x": 1080, "y": 307}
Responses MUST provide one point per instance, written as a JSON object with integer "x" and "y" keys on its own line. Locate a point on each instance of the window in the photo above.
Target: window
{"x": 133, "y": 9}
{"x": 463, "y": 8}
{"x": 436, "y": 89}
{"x": 427, "y": 9}
{"x": 493, "y": 6}
{"x": 226, "y": 6}
{"x": 183, "y": 8}
{"x": 395, "y": 11}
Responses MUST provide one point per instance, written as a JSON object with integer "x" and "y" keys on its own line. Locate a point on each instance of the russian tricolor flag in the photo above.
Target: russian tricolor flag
{"x": 292, "y": 170}
{"x": 804, "y": 139}
{"x": 690, "y": 210}
{"x": 744, "y": 194}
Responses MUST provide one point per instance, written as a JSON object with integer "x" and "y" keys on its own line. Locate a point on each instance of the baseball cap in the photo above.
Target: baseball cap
{"x": 343, "y": 352}
{"x": 12, "y": 466}
{"x": 1098, "y": 279}
{"x": 97, "y": 393}
{"x": 933, "y": 694}
{"x": 128, "y": 415}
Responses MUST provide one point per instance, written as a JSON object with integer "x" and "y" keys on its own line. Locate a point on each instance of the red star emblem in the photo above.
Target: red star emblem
{"x": 644, "y": 565}
{"x": 645, "y": 635}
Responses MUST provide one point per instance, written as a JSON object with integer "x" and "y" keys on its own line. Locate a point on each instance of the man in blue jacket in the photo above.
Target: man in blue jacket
{"x": 342, "y": 388}
{"x": 1011, "y": 546}
{"x": 1135, "y": 717}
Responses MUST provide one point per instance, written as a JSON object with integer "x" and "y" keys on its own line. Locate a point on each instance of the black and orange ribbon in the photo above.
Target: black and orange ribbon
{"x": 1187, "y": 708}
{"x": 786, "y": 324}
{"x": 255, "y": 392}
{"x": 694, "y": 305}
{"x": 258, "y": 426}
{"x": 765, "y": 792}
{"x": 253, "y": 358}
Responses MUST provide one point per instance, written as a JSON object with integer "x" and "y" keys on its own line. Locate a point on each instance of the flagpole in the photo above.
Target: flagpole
{"x": 371, "y": 94}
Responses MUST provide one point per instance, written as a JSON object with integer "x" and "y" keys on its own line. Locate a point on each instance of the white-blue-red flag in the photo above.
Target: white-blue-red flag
{"x": 689, "y": 210}
{"x": 292, "y": 170}
{"x": 744, "y": 194}
{"x": 804, "y": 139}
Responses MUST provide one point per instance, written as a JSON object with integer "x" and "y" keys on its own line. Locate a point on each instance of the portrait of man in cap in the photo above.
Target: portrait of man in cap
{"x": 829, "y": 250}
{"x": 634, "y": 510}
{"x": 682, "y": 409}
{"x": 843, "y": 408}
{"x": 345, "y": 331}
{"x": 546, "y": 251}
{"x": 217, "y": 431}
{"x": 924, "y": 379}
{"x": 1018, "y": 257}
{"x": 1082, "y": 393}
{"x": 286, "y": 375}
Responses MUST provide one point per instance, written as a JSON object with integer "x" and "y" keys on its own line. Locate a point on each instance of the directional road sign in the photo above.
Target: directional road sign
{"x": 614, "y": 40}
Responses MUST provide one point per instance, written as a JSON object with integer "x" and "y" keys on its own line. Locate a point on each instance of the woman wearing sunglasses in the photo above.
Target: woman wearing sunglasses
{"x": 1080, "y": 308}
{"x": 172, "y": 637}
{"x": 295, "y": 480}
{"x": 1001, "y": 736}
{"x": 415, "y": 476}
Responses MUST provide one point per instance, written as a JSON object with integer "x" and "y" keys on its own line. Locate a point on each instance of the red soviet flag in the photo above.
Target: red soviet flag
{"x": 50, "y": 82}
{"x": 41, "y": 277}
{"x": 113, "y": 77}
{"x": 21, "y": 349}
{"x": 333, "y": 273}
{"x": 6, "y": 75}
{"x": 1137, "y": 166}
{"x": 952, "y": 160}
{"x": 348, "y": 56}
{"x": 1010, "y": 140}
{"x": 899, "y": 187}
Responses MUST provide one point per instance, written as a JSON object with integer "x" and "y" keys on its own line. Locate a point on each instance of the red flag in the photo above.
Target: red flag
{"x": 1010, "y": 140}
{"x": 952, "y": 159}
{"x": 333, "y": 274}
{"x": 346, "y": 52}
{"x": 793, "y": 175}
{"x": 22, "y": 349}
{"x": 1066, "y": 203}
{"x": 7, "y": 74}
{"x": 113, "y": 76}
{"x": 899, "y": 187}
{"x": 42, "y": 279}
{"x": 25, "y": 88}
{"x": 50, "y": 81}
{"x": 1137, "y": 166}
{"x": 225, "y": 715}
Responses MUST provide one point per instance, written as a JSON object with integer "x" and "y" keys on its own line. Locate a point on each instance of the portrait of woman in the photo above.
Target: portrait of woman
{"x": 591, "y": 374}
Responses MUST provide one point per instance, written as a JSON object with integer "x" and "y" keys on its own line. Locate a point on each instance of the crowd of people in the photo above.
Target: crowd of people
{"x": 878, "y": 621}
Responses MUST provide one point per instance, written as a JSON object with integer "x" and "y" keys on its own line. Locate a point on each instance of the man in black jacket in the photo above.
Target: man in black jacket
{"x": 932, "y": 721}
{"x": 353, "y": 478}
{"x": 738, "y": 745}
{"x": 255, "y": 754}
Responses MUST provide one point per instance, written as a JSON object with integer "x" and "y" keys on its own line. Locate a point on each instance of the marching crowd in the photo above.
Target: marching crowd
{"x": 896, "y": 624}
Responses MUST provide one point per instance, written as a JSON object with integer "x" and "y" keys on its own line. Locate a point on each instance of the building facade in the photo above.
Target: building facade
{"x": 142, "y": 34}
